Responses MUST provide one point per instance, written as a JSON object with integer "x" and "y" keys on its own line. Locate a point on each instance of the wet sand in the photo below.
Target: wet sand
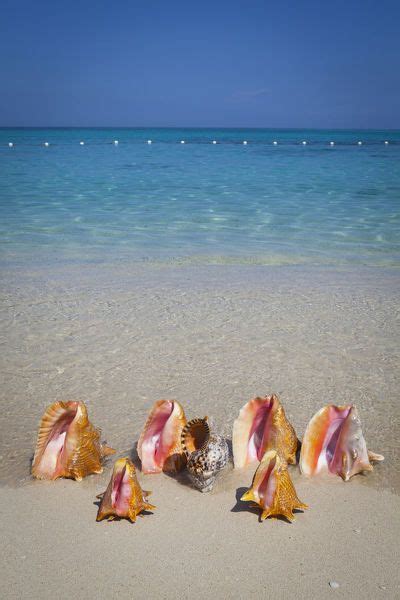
{"x": 120, "y": 337}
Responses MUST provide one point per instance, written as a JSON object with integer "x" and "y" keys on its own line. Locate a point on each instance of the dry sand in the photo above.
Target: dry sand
{"x": 212, "y": 337}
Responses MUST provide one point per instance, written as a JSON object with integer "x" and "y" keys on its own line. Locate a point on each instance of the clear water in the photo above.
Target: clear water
{"x": 276, "y": 204}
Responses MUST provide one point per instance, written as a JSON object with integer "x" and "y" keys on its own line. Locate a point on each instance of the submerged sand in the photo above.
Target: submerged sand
{"x": 120, "y": 337}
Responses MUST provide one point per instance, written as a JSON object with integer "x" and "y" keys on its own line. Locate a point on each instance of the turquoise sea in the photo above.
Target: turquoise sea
{"x": 285, "y": 203}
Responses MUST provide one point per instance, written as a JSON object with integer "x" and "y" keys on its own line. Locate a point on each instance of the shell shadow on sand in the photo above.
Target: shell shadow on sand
{"x": 144, "y": 513}
{"x": 242, "y": 506}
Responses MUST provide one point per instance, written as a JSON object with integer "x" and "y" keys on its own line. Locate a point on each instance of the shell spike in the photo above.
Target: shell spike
{"x": 106, "y": 450}
{"x": 132, "y": 516}
{"x": 375, "y": 457}
{"x": 265, "y": 514}
{"x": 248, "y": 496}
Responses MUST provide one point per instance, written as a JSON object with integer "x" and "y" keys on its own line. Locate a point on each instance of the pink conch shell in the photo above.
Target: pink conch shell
{"x": 123, "y": 497}
{"x": 272, "y": 489}
{"x": 334, "y": 443}
{"x": 159, "y": 446}
{"x": 68, "y": 445}
{"x": 262, "y": 425}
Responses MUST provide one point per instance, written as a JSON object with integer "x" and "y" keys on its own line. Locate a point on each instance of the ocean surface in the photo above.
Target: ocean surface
{"x": 285, "y": 203}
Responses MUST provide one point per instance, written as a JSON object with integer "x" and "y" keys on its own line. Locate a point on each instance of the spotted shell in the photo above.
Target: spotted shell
{"x": 272, "y": 488}
{"x": 123, "y": 497}
{"x": 68, "y": 445}
{"x": 262, "y": 425}
{"x": 207, "y": 453}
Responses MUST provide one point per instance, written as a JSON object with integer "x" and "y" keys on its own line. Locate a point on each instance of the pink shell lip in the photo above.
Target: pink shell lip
{"x": 159, "y": 443}
{"x": 259, "y": 431}
{"x": 267, "y": 486}
{"x": 321, "y": 438}
{"x": 151, "y": 453}
{"x": 121, "y": 492}
{"x": 333, "y": 434}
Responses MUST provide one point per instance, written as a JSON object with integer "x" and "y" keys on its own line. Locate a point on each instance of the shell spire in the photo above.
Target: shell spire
{"x": 261, "y": 426}
{"x": 123, "y": 497}
{"x": 334, "y": 443}
{"x": 68, "y": 445}
{"x": 159, "y": 446}
{"x": 272, "y": 488}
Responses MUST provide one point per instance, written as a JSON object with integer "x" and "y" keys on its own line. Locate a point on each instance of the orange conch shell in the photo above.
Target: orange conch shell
{"x": 159, "y": 446}
{"x": 334, "y": 443}
{"x": 272, "y": 489}
{"x": 123, "y": 497}
{"x": 68, "y": 445}
{"x": 262, "y": 425}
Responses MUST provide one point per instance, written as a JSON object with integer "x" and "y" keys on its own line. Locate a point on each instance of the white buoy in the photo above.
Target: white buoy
{"x": 359, "y": 143}
{"x": 10, "y": 144}
{"x": 245, "y": 143}
{"x": 275, "y": 143}
{"x": 332, "y": 143}
{"x": 149, "y": 141}
{"x": 304, "y": 143}
{"x": 386, "y": 142}
{"x": 46, "y": 144}
{"x": 214, "y": 141}
{"x": 182, "y": 141}
{"x": 116, "y": 142}
{"x": 81, "y": 143}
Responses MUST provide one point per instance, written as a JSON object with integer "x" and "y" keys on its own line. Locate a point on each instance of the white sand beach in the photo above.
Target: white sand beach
{"x": 212, "y": 337}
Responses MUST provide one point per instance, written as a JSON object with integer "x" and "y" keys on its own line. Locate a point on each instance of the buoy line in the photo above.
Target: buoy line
{"x": 215, "y": 142}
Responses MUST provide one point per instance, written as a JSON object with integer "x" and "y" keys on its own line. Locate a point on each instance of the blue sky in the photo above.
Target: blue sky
{"x": 182, "y": 63}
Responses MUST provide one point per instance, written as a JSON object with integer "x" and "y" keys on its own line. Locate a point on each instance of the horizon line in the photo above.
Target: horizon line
{"x": 198, "y": 127}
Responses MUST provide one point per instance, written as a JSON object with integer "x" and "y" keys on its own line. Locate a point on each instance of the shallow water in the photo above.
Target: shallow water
{"x": 136, "y": 272}
{"x": 120, "y": 336}
{"x": 284, "y": 204}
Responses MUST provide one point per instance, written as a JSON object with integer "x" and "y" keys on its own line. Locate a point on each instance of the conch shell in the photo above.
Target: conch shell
{"x": 159, "y": 446}
{"x": 207, "y": 453}
{"x": 68, "y": 445}
{"x": 123, "y": 497}
{"x": 272, "y": 489}
{"x": 262, "y": 425}
{"x": 334, "y": 443}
